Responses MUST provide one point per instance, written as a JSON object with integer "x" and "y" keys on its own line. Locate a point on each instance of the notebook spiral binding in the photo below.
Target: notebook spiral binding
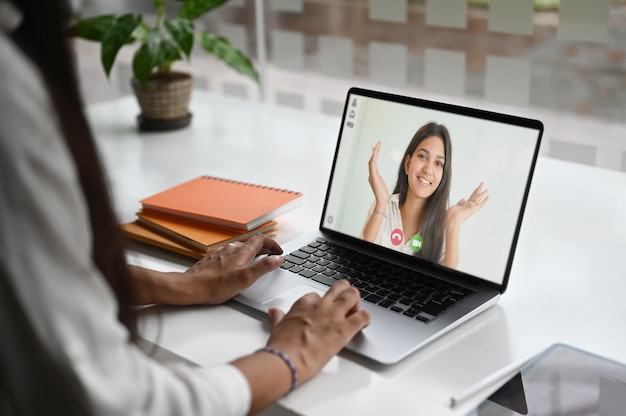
{"x": 250, "y": 184}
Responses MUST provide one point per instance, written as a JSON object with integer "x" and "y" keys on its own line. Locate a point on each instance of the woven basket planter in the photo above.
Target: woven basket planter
{"x": 165, "y": 102}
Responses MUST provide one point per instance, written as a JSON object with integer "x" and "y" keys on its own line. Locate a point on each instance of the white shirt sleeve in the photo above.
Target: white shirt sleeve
{"x": 45, "y": 241}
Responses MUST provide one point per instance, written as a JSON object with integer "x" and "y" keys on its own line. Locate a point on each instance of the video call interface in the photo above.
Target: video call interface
{"x": 496, "y": 154}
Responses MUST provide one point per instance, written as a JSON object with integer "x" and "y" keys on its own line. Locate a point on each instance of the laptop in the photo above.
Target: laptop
{"x": 414, "y": 293}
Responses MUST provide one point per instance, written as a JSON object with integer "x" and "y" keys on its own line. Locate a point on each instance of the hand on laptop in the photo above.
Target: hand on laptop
{"x": 228, "y": 270}
{"x": 212, "y": 280}
{"x": 316, "y": 328}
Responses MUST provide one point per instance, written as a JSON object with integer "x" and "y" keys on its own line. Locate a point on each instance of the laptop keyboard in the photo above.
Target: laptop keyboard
{"x": 399, "y": 289}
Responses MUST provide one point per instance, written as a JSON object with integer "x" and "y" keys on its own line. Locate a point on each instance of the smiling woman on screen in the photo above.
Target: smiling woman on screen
{"x": 415, "y": 218}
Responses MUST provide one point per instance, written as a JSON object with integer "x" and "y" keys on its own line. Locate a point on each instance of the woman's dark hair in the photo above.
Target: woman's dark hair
{"x": 42, "y": 36}
{"x": 433, "y": 222}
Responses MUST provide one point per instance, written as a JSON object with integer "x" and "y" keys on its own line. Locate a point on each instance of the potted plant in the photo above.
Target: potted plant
{"x": 163, "y": 94}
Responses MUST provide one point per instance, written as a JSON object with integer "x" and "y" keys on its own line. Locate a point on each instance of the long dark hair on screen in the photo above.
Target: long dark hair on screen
{"x": 433, "y": 222}
{"x": 42, "y": 37}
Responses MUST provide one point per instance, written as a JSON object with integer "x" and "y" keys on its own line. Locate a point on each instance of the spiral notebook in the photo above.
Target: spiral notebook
{"x": 194, "y": 234}
{"x": 224, "y": 202}
{"x": 137, "y": 232}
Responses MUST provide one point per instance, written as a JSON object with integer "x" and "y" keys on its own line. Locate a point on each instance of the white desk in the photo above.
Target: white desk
{"x": 568, "y": 282}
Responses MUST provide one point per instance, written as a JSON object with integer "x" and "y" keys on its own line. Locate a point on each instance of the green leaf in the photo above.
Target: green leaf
{"x": 162, "y": 48}
{"x": 141, "y": 33}
{"x": 119, "y": 33}
{"x": 182, "y": 32}
{"x": 141, "y": 65}
{"x": 222, "y": 49}
{"x": 159, "y": 49}
{"x": 93, "y": 28}
{"x": 192, "y": 9}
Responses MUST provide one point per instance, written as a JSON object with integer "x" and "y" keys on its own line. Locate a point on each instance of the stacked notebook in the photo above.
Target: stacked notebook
{"x": 204, "y": 213}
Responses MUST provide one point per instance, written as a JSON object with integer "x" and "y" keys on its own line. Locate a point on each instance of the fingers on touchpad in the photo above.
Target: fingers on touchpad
{"x": 286, "y": 299}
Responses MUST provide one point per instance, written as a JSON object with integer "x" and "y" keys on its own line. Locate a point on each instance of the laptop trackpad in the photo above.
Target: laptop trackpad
{"x": 286, "y": 299}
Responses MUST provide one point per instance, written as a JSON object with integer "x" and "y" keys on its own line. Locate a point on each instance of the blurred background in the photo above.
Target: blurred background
{"x": 563, "y": 62}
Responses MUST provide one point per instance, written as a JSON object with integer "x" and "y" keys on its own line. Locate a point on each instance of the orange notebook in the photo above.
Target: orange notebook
{"x": 144, "y": 235}
{"x": 223, "y": 202}
{"x": 195, "y": 234}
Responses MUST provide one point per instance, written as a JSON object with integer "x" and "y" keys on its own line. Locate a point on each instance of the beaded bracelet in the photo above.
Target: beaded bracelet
{"x": 287, "y": 360}
{"x": 382, "y": 214}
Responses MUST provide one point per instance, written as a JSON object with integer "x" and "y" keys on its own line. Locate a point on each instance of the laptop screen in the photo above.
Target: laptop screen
{"x": 440, "y": 183}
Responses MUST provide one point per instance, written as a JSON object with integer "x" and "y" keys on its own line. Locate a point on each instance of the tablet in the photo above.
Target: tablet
{"x": 562, "y": 380}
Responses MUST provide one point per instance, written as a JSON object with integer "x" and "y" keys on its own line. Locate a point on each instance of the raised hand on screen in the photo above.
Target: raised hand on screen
{"x": 465, "y": 208}
{"x": 381, "y": 192}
